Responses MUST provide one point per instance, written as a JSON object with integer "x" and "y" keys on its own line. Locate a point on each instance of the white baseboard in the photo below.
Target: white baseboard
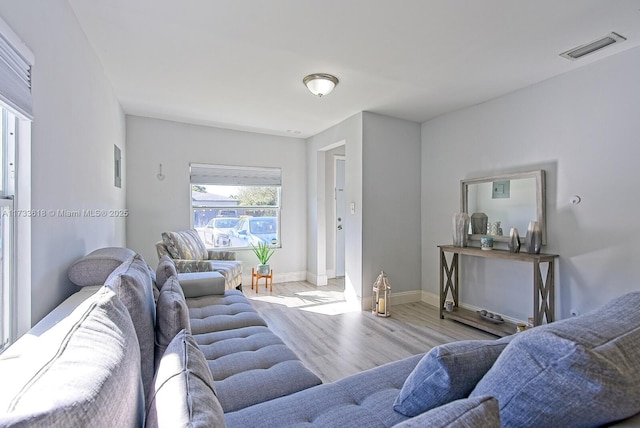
{"x": 317, "y": 279}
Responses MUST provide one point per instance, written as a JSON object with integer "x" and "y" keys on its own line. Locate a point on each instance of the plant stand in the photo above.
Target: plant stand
{"x": 256, "y": 276}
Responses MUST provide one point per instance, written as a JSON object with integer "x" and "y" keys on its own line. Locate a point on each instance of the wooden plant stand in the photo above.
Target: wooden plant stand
{"x": 268, "y": 279}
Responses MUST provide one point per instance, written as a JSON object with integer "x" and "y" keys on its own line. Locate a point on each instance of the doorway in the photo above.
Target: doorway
{"x": 340, "y": 215}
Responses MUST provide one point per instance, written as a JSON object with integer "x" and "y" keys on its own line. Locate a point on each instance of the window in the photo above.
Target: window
{"x": 236, "y": 207}
{"x": 15, "y": 116}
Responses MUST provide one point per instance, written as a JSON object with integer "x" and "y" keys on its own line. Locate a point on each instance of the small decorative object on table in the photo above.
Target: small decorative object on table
{"x": 490, "y": 316}
{"x": 460, "y": 229}
{"x": 263, "y": 252}
{"x": 533, "y": 239}
{"x": 514, "y": 240}
{"x": 448, "y": 306}
{"x": 479, "y": 223}
{"x": 381, "y": 296}
{"x": 486, "y": 242}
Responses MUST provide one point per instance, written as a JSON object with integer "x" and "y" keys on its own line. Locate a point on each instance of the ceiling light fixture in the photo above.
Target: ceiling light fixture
{"x": 320, "y": 83}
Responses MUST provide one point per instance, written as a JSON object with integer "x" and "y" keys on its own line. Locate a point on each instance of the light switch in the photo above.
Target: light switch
{"x": 353, "y": 207}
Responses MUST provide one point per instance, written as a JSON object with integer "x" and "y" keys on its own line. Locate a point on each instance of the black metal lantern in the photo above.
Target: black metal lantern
{"x": 381, "y": 296}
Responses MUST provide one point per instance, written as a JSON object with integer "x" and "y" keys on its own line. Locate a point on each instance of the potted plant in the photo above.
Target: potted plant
{"x": 263, "y": 252}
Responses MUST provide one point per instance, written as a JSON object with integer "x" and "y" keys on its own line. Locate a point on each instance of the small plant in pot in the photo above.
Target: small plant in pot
{"x": 263, "y": 252}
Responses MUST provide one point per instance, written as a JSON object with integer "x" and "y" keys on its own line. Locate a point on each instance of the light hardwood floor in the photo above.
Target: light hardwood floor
{"x": 335, "y": 340}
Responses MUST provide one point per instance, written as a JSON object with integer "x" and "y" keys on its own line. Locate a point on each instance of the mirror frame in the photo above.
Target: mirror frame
{"x": 540, "y": 200}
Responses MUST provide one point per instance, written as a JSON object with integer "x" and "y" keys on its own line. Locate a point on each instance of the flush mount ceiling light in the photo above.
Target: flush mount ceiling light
{"x": 596, "y": 45}
{"x": 320, "y": 83}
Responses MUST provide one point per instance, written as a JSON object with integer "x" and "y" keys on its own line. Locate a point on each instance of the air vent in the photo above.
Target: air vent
{"x": 596, "y": 45}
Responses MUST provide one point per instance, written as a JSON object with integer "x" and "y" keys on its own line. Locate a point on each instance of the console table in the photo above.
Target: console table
{"x": 543, "y": 289}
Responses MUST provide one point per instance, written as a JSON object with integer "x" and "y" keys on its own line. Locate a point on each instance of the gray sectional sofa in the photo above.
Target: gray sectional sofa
{"x": 147, "y": 347}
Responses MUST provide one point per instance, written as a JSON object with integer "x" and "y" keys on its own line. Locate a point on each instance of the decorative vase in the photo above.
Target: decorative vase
{"x": 264, "y": 269}
{"x": 533, "y": 239}
{"x": 479, "y": 223}
{"x": 514, "y": 240}
{"x": 460, "y": 229}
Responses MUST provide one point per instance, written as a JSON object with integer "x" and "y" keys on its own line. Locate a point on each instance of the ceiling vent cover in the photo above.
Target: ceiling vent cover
{"x": 591, "y": 47}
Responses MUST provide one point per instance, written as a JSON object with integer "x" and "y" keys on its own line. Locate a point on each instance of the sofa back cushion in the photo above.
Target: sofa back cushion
{"x": 166, "y": 269}
{"x": 131, "y": 281}
{"x": 576, "y": 372}
{"x": 95, "y": 267}
{"x": 185, "y": 244}
{"x": 183, "y": 393}
{"x": 86, "y": 372}
{"x": 172, "y": 315}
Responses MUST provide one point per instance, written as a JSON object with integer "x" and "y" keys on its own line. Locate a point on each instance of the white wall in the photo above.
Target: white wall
{"x": 382, "y": 181}
{"x": 391, "y": 205}
{"x": 349, "y": 134}
{"x": 582, "y": 128}
{"x": 77, "y": 120}
{"x": 156, "y": 206}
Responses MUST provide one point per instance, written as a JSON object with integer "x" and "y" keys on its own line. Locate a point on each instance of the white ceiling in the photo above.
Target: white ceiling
{"x": 239, "y": 64}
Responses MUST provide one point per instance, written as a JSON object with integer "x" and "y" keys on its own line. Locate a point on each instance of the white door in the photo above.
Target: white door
{"x": 340, "y": 215}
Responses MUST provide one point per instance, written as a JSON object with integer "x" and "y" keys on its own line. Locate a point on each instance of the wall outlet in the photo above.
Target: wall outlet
{"x": 574, "y": 312}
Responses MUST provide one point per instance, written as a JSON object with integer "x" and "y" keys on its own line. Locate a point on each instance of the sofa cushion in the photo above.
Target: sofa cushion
{"x": 198, "y": 284}
{"x": 447, "y": 372}
{"x": 222, "y": 312}
{"x": 95, "y": 267}
{"x": 183, "y": 391}
{"x": 86, "y": 372}
{"x": 172, "y": 315}
{"x": 364, "y": 399}
{"x": 132, "y": 283}
{"x": 185, "y": 244}
{"x": 468, "y": 412}
{"x": 580, "y": 371}
{"x": 166, "y": 269}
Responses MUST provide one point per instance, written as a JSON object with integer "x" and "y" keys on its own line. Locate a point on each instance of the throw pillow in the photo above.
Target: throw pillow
{"x": 185, "y": 244}
{"x": 172, "y": 315}
{"x": 469, "y": 412}
{"x": 580, "y": 371}
{"x": 448, "y": 372}
{"x": 184, "y": 395}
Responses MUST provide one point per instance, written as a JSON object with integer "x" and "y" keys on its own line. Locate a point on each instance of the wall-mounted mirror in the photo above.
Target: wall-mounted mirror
{"x": 511, "y": 199}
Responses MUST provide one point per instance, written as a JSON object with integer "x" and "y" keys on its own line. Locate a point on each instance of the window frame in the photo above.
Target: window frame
{"x": 235, "y": 177}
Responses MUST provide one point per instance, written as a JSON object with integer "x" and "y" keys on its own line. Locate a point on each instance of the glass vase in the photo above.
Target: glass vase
{"x": 514, "y": 240}
{"x": 533, "y": 239}
{"x": 460, "y": 229}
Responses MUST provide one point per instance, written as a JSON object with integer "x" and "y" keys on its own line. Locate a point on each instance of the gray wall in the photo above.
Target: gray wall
{"x": 582, "y": 128}
{"x": 157, "y": 206}
{"x": 391, "y": 205}
{"x": 77, "y": 120}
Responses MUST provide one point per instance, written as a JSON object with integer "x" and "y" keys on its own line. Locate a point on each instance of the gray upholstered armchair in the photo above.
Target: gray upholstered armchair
{"x": 189, "y": 254}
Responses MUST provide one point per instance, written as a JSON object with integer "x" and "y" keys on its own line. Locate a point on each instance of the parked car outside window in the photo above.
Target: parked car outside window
{"x": 256, "y": 230}
{"x": 216, "y": 232}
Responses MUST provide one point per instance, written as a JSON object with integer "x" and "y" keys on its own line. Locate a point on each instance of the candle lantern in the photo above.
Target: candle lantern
{"x": 381, "y": 296}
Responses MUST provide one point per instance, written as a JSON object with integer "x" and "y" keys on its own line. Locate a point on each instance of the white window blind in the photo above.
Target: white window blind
{"x": 234, "y": 175}
{"x": 15, "y": 72}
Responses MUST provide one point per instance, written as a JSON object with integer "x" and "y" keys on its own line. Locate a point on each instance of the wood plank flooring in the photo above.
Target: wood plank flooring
{"x": 335, "y": 340}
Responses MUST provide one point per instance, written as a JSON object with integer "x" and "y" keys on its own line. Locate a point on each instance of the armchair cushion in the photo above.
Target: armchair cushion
{"x": 185, "y": 244}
